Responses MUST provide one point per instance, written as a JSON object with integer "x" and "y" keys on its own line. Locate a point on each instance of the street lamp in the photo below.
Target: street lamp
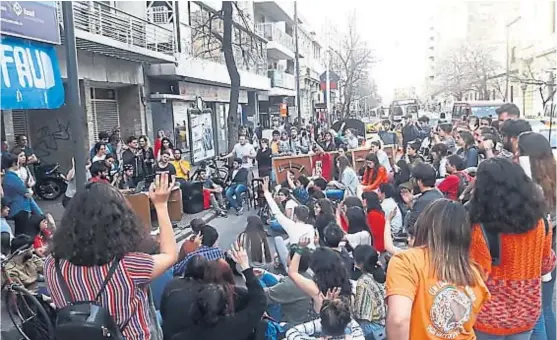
{"x": 523, "y": 87}
{"x": 507, "y": 58}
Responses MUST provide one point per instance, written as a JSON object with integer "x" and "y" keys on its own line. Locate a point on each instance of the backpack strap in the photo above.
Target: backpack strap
{"x": 493, "y": 244}
{"x": 546, "y": 224}
{"x": 66, "y": 289}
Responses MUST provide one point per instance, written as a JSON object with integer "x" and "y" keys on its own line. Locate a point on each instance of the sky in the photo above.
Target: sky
{"x": 395, "y": 30}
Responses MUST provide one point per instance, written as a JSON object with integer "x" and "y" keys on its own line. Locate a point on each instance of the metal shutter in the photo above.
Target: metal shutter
{"x": 106, "y": 115}
{"x": 19, "y": 119}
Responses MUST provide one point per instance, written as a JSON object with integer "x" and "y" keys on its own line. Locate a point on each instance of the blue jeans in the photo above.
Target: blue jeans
{"x": 234, "y": 195}
{"x": 376, "y": 329}
{"x": 519, "y": 336}
{"x": 545, "y": 327}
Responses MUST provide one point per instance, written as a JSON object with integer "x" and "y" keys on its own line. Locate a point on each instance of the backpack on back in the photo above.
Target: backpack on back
{"x": 86, "y": 319}
{"x": 463, "y": 183}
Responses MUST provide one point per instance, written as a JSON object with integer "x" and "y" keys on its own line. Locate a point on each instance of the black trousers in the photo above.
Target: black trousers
{"x": 21, "y": 220}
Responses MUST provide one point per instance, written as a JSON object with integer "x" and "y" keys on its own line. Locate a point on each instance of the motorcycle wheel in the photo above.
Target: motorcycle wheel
{"x": 50, "y": 189}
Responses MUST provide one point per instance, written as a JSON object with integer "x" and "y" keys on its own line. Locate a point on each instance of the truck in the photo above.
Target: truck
{"x": 404, "y": 107}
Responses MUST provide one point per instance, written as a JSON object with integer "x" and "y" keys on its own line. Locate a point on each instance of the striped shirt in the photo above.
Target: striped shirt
{"x": 312, "y": 330}
{"x": 125, "y": 296}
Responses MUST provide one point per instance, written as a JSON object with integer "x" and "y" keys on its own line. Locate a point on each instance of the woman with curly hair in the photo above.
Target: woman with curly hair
{"x": 512, "y": 245}
{"x": 434, "y": 291}
{"x": 329, "y": 274}
{"x": 99, "y": 233}
{"x": 543, "y": 171}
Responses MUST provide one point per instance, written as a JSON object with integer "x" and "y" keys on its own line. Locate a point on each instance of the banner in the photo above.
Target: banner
{"x": 35, "y": 20}
{"x": 30, "y": 75}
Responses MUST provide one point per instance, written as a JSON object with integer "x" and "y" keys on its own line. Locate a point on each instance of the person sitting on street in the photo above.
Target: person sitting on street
{"x": 99, "y": 172}
{"x": 25, "y": 267}
{"x": 457, "y": 180}
{"x": 207, "y": 240}
{"x": 238, "y": 185}
{"x": 215, "y": 191}
{"x": 374, "y": 175}
{"x": 126, "y": 183}
{"x": 46, "y": 226}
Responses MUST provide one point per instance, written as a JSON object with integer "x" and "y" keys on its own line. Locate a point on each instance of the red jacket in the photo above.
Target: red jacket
{"x": 376, "y": 222}
{"x": 326, "y": 164}
{"x": 369, "y": 184}
{"x": 449, "y": 186}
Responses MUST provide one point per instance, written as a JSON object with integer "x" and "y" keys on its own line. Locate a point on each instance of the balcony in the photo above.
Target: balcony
{"x": 280, "y": 45}
{"x": 106, "y": 30}
{"x": 282, "y": 83}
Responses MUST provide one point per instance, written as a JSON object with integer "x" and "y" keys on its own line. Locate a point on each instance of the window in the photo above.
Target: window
{"x": 103, "y": 94}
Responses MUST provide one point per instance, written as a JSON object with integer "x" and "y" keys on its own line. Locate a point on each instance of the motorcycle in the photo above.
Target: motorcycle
{"x": 51, "y": 183}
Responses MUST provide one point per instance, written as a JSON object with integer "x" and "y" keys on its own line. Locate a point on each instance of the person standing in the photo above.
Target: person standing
{"x": 17, "y": 196}
{"x": 148, "y": 154}
{"x": 434, "y": 290}
{"x": 511, "y": 243}
{"x": 134, "y": 157}
{"x": 264, "y": 160}
{"x": 468, "y": 149}
{"x": 100, "y": 151}
{"x": 23, "y": 144}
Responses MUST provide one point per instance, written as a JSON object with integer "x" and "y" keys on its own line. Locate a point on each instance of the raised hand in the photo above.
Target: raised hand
{"x": 239, "y": 255}
{"x": 160, "y": 189}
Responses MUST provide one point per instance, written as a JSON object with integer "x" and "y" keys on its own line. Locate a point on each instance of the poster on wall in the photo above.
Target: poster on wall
{"x": 202, "y": 143}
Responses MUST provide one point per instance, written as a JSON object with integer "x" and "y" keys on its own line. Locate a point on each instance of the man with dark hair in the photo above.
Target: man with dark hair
{"x": 457, "y": 180}
{"x": 333, "y": 235}
{"x": 510, "y": 130}
{"x": 134, "y": 156}
{"x": 423, "y": 178}
{"x": 99, "y": 172}
{"x": 206, "y": 240}
{"x": 444, "y": 135}
{"x": 22, "y": 143}
{"x": 507, "y": 111}
{"x": 294, "y": 303}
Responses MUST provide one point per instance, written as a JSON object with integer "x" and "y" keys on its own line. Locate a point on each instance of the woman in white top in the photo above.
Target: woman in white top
{"x": 348, "y": 179}
{"x": 100, "y": 152}
{"x": 23, "y": 171}
{"x": 286, "y": 202}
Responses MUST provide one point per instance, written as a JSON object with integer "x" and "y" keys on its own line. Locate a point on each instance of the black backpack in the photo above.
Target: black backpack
{"x": 86, "y": 319}
{"x": 463, "y": 183}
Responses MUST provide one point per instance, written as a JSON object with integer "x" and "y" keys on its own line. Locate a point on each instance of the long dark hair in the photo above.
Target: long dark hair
{"x": 329, "y": 271}
{"x": 444, "y": 230}
{"x": 368, "y": 257}
{"x": 542, "y": 164}
{"x": 98, "y": 225}
{"x": 372, "y": 158}
{"x": 343, "y": 163}
{"x": 372, "y": 202}
{"x": 505, "y": 199}
{"x": 357, "y": 220}
{"x": 170, "y": 145}
{"x": 219, "y": 272}
{"x": 253, "y": 238}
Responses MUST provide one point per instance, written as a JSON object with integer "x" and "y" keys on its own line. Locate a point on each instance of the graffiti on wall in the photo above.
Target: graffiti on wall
{"x": 49, "y": 136}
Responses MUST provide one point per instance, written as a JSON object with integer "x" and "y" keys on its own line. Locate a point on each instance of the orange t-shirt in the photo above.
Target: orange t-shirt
{"x": 440, "y": 310}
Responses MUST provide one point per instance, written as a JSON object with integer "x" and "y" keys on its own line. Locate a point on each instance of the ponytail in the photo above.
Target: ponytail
{"x": 368, "y": 258}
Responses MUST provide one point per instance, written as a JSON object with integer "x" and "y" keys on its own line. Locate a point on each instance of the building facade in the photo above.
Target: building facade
{"x": 157, "y": 66}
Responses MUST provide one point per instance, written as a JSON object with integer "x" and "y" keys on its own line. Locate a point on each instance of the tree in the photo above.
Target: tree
{"x": 468, "y": 67}
{"x": 226, "y": 36}
{"x": 352, "y": 58}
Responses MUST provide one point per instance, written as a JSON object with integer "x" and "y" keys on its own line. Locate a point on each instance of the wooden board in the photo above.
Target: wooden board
{"x": 143, "y": 208}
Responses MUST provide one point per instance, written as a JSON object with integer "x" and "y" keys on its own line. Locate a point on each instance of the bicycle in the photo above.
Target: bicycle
{"x": 218, "y": 173}
{"x": 25, "y": 310}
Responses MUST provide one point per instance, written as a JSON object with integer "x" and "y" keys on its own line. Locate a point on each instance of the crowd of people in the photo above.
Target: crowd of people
{"x": 450, "y": 238}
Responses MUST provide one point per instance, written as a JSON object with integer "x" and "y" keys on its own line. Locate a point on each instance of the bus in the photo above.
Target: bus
{"x": 401, "y": 108}
{"x": 478, "y": 108}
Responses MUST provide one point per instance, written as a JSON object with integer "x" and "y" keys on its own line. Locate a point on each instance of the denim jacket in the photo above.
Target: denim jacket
{"x": 14, "y": 194}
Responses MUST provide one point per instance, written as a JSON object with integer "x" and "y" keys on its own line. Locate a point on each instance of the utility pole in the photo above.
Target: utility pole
{"x": 298, "y": 99}
{"x": 73, "y": 103}
{"x": 507, "y": 63}
{"x": 328, "y": 73}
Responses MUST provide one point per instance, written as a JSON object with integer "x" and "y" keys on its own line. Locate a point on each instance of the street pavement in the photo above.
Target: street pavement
{"x": 228, "y": 229}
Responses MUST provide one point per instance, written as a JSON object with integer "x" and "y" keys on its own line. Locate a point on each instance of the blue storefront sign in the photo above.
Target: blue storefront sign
{"x": 36, "y": 20}
{"x": 29, "y": 75}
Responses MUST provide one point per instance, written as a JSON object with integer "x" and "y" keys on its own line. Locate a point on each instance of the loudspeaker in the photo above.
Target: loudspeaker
{"x": 192, "y": 197}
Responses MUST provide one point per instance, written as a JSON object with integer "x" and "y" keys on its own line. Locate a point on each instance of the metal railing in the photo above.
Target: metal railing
{"x": 271, "y": 32}
{"x": 282, "y": 79}
{"x": 98, "y": 18}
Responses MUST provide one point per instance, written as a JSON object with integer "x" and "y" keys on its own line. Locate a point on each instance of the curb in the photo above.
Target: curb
{"x": 184, "y": 233}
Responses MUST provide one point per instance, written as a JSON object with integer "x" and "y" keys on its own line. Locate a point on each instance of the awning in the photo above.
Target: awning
{"x": 30, "y": 75}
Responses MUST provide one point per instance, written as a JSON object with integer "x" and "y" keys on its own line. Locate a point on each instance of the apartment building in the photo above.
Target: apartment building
{"x": 114, "y": 41}
{"x": 157, "y": 66}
